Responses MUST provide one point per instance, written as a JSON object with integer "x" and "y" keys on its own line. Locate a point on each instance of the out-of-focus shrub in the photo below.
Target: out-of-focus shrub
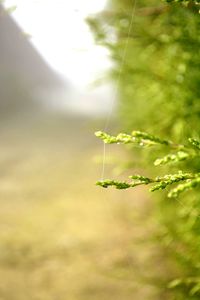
{"x": 155, "y": 47}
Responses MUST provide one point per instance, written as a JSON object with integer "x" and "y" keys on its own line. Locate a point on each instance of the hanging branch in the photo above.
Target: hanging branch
{"x": 185, "y": 181}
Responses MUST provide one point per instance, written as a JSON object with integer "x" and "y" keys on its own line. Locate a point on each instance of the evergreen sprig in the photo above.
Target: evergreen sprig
{"x": 179, "y": 156}
{"x": 136, "y": 137}
{"x": 185, "y": 181}
{"x": 190, "y": 181}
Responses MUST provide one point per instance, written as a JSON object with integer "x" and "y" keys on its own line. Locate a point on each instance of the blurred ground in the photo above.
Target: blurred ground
{"x": 61, "y": 237}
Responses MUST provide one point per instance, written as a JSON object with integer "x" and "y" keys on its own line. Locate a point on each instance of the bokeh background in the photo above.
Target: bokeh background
{"x": 68, "y": 69}
{"x": 61, "y": 237}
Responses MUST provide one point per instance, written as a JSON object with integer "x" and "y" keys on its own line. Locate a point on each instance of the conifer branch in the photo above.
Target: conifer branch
{"x": 190, "y": 181}
{"x": 185, "y": 181}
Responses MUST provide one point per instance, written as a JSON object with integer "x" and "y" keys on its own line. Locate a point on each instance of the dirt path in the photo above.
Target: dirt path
{"x": 61, "y": 237}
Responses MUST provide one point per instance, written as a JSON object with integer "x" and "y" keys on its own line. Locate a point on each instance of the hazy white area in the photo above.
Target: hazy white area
{"x": 57, "y": 28}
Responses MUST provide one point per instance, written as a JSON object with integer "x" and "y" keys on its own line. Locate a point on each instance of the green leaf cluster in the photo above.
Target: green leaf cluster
{"x": 156, "y": 51}
{"x": 188, "y": 180}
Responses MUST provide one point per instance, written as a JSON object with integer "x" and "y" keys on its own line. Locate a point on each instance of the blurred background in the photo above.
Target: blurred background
{"x": 68, "y": 69}
{"x": 61, "y": 237}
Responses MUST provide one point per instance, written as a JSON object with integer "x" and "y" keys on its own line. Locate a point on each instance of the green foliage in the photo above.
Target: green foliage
{"x": 191, "y": 181}
{"x": 185, "y": 1}
{"x": 192, "y": 283}
{"x": 195, "y": 143}
{"x": 138, "y": 137}
{"x": 159, "y": 91}
{"x": 160, "y": 75}
{"x": 142, "y": 139}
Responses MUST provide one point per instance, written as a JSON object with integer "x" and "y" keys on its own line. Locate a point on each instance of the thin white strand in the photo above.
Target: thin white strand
{"x": 107, "y": 122}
